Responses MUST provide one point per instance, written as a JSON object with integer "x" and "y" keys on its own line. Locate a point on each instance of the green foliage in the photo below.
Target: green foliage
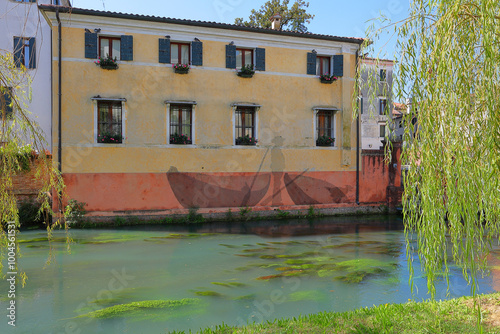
{"x": 283, "y": 214}
{"x": 292, "y": 18}
{"x": 246, "y": 140}
{"x": 193, "y": 216}
{"x": 19, "y": 138}
{"x": 109, "y": 138}
{"x": 450, "y": 316}
{"x": 180, "y": 139}
{"x": 75, "y": 211}
{"x": 447, "y": 62}
{"x": 29, "y": 214}
{"x": 246, "y": 71}
{"x": 244, "y": 211}
{"x": 325, "y": 141}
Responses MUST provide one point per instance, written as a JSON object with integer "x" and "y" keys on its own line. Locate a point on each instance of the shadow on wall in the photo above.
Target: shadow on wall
{"x": 249, "y": 189}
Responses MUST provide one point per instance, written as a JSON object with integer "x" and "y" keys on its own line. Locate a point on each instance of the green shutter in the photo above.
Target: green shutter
{"x": 197, "y": 53}
{"x": 260, "y": 59}
{"x": 90, "y": 45}
{"x": 230, "y": 56}
{"x": 311, "y": 63}
{"x": 338, "y": 65}
{"x": 18, "y": 51}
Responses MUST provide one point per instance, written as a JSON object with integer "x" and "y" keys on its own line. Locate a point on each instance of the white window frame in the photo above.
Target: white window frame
{"x": 193, "y": 104}
{"x": 335, "y": 111}
{"x": 380, "y": 124}
{"x": 256, "y": 125}
{"x": 123, "y": 101}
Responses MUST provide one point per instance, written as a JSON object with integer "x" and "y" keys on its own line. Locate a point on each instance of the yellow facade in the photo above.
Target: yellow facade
{"x": 285, "y": 93}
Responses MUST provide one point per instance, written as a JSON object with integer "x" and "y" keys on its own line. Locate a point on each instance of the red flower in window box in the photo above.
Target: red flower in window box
{"x": 180, "y": 139}
{"x": 325, "y": 78}
{"x": 246, "y": 140}
{"x": 107, "y": 63}
{"x": 181, "y": 68}
{"x": 325, "y": 141}
{"x": 109, "y": 138}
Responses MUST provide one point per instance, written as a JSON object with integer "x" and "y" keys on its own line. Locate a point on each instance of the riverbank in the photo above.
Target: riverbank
{"x": 450, "y": 316}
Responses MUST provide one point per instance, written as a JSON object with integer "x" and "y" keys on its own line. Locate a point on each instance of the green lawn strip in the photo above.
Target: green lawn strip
{"x": 451, "y": 316}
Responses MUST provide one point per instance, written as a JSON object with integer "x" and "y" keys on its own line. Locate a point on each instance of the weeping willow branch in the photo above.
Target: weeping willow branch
{"x": 448, "y": 63}
{"x": 21, "y": 143}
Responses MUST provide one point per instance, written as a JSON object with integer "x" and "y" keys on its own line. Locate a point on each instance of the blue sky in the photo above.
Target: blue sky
{"x": 333, "y": 17}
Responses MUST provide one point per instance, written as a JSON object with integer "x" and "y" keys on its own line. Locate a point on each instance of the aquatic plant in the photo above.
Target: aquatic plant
{"x": 134, "y": 308}
{"x": 208, "y": 293}
{"x": 312, "y": 295}
{"x": 229, "y": 284}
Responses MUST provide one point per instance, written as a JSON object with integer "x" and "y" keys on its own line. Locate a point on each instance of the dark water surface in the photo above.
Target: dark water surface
{"x": 160, "y": 279}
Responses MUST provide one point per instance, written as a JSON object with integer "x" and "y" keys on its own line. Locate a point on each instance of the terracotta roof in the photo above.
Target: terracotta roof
{"x": 207, "y": 24}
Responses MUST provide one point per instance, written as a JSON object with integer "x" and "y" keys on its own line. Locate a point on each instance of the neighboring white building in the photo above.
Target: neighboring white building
{"x": 375, "y": 98}
{"x": 25, "y": 33}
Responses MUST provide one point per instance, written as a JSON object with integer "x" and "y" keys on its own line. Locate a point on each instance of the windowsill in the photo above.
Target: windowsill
{"x": 109, "y": 144}
{"x": 245, "y": 146}
{"x": 181, "y": 145}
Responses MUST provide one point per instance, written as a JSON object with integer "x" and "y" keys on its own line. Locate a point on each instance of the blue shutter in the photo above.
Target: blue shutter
{"x": 260, "y": 59}
{"x": 164, "y": 51}
{"x": 230, "y": 56}
{"x": 127, "y": 47}
{"x": 90, "y": 45}
{"x": 338, "y": 65}
{"x": 18, "y": 51}
{"x": 197, "y": 53}
{"x": 311, "y": 63}
{"x": 32, "y": 60}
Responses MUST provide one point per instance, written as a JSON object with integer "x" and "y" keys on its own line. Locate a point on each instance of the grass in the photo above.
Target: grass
{"x": 451, "y": 316}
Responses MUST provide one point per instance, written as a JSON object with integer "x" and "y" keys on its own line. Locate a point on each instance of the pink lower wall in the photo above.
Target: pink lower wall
{"x": 121, "y": 192}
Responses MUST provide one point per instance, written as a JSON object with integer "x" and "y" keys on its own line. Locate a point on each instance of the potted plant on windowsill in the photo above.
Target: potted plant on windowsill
{"x": 107, "y": 63}
{"x": 181, "y": 68}
{"x": 246, "y": 140}
{"x": 180, "y": 139}
{"x": 325, "y": 141}
{"x": 246, "y": 71}
{"x": 328, "y": 79}
{"x": 109, "y": 138}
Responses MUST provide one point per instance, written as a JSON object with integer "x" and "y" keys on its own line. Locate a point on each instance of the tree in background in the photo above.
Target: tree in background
{"x": 447, "y": 61}
{"x": 293, "y": 18}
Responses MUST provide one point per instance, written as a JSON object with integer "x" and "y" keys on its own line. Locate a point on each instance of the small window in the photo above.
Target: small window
{"x": 382, "y": 130}
{"x": 24, "y": 52}
{"x": 181, "y": 124}
{"x": 109, "y": 47}
{"x": 25, "y": 0}
{"x": 323, "y": 65}
{"x": 56, "y": 2}
{"x": 109, "y": 129}
{"x": 245, "y": 126}
{"x": 180, "y": 53}
{"x": 383, "y": 75}
{"x": 324, "y": 128}
{"x": 5, "y": 103}
{"x": 244, "y": 57}
{"x": 382, "y": 106}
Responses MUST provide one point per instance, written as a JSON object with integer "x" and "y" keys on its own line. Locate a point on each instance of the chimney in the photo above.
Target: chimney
{"x": 276, "y": 22}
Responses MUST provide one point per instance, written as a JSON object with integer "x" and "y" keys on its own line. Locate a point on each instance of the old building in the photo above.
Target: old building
{"x": 262, "y": 118}
{"x": 375, "y": 101}
{"x": 27, "y": 35}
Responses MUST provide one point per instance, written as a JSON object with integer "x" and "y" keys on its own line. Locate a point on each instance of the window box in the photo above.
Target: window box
{"x": 180, "y": 139}
{"x": 181, "y": 68}
{"x": 327, "y": 79}
{"x": 107, "y": 63}
{"x": 109, "y": 138}
{"x": 246, "y": 71}
{"x": 246, "y": 140}
{"x": 325, "y": 141}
